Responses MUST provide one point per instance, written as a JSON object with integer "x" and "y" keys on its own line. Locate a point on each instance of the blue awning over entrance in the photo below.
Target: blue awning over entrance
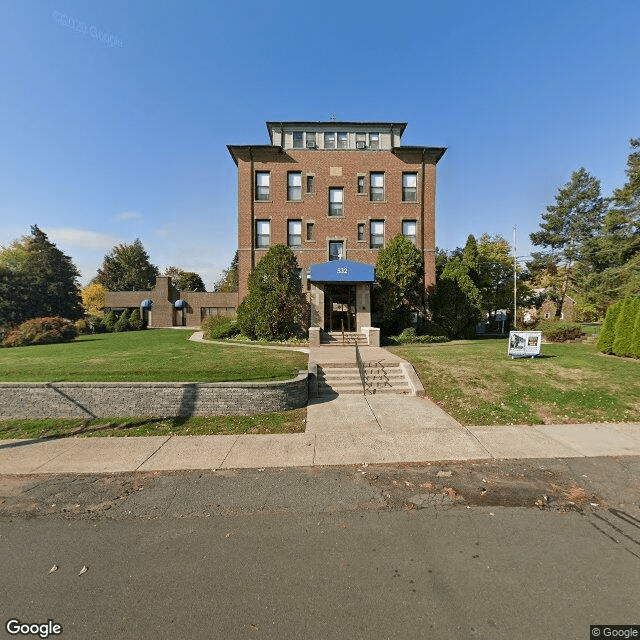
{"x": 343, "y": 271}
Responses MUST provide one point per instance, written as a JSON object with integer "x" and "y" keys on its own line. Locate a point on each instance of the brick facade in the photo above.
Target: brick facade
{"x": 164, "y": 296}
{"x": 330, "y": 169}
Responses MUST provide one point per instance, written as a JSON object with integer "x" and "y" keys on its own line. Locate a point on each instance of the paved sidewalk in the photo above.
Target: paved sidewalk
{"x": 388, "y": 432}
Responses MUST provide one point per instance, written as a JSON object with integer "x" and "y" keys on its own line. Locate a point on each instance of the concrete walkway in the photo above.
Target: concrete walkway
{"x": 341, "y": 430}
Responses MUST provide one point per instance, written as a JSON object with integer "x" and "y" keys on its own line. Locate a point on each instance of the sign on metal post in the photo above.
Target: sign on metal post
{"x": 524, "y": 344}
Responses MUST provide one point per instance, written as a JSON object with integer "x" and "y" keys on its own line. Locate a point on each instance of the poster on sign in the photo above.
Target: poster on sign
{"x": 524, "y": 344}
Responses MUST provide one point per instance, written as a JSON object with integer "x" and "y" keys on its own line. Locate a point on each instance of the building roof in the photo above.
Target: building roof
{"x": 335, "y": 123}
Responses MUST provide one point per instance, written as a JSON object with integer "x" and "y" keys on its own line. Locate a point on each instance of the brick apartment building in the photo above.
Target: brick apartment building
{"x": 336, "y": 193}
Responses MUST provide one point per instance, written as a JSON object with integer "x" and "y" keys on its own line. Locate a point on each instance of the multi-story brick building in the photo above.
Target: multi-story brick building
{"x": 335, "y": 191}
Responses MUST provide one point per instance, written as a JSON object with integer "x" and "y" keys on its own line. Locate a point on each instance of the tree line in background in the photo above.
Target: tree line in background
{"x": 590, "y": 243}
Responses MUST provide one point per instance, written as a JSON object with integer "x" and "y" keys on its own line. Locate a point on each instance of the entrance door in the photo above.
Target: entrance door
{"x": 339, "y": 307}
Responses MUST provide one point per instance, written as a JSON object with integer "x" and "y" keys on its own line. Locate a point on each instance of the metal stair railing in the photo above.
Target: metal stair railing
{"x": 361, "y": 370}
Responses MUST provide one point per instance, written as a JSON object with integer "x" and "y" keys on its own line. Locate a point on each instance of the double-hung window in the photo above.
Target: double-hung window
{"x": 409, "y": 187}
{"x": 335, "y": 250}
{"x": 294, "y": 236}
{"x": 409, "y": 230}
{"x": 377, "y": 187}
{"x": 263, "y": 234}
{"x": 311, "y": 184}
{"x": 374, "y": 140}
{"x": 263, "y": 191}
{"x": 298, "y": 142}
{"x": 336, "y": 201}
{"x": 311, "y": 232}
{"x": 343, "y": 140}
{"x": 360, "y": 231}
{"x": 330, "y": 140}
{"x": 360, "y": 184}
{"x": 294, "y": 185}
{"x": 376, "y": 235}
{"x": 361, "y": 140}
{"x": 311, "y": 139}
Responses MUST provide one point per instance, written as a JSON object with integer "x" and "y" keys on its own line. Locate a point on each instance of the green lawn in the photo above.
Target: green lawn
{"x": 285, "y": 422}
{"x": 477, "y": 383}
{"x": 146, "y": 356}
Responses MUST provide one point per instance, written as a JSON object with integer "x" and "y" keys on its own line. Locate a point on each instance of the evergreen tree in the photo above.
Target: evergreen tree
{"x": 635, "y": 336}
{"x": 38, "y": 280}
{"x": 456, "y": 303}
{"x": 275, "y": 308}
{"x": 127, "y": 268}
{"x": 624, "y": 327}
{"x": 123, "y": 322}
{"x": 399, "y": 273}
{"x": 608, "y": 329}
{"x": 110, "y": 321}
{"x": 567, "y": 225}
{"x": 228, "y": 282}
{"x": 135, "y": 321}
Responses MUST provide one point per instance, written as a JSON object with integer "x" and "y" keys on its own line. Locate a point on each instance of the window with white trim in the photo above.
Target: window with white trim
{"x": 311, "y": 140}
{"x": 294, "y": 234}
{"x": 361, "y": 140}
{"x": 409, "y": 230}
{"x": 294, "y": 185}
{"x": 376, "y": 192}
{"x": 376, "y": 235}
{"x": 374, "y": 140}
{"x": 343, "y": 140}
{"x": 263, "y": 181}
{"x": 336, "y": 201}
{"x": 263, "y": 233}
{"x": 409, "y": 187}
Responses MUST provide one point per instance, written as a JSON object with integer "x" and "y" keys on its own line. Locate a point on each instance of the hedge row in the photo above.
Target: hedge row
{"x": 620, "y": 333}
{"x": 41, "y": 331}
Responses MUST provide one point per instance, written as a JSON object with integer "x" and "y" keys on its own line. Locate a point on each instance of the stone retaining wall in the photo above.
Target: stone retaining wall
{"x": 154, "y": 399}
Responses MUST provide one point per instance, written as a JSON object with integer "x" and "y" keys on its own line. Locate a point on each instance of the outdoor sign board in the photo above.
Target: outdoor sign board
{"x": 343, "y": 271}
{"x": 524, "y": 344}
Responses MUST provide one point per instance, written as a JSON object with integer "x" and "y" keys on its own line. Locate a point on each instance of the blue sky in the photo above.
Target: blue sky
{"x": 114, "y": 117}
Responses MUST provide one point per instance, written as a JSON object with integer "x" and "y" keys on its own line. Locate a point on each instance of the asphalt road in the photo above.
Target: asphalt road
{"x": 517, "y": 549}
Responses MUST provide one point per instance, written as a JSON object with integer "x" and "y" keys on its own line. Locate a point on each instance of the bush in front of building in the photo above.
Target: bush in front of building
{"x": 558, "y": 331}
{"x": 122, "y": 323}
{"x": 410, "y": 336}
{"x": 41, "y": 331}
{"x": 275, "y": 308}
{"x": 110, "y": 320}
{"x": 135, "y": 321}
{"x": 219, "y": 327}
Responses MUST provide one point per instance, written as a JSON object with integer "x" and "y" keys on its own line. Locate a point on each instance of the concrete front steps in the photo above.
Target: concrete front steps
{"x": 342, "y": 378}
{"x": 334, "y": 338}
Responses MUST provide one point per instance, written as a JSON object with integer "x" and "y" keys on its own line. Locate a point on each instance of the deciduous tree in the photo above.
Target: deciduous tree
{"x": 126, "y": 268}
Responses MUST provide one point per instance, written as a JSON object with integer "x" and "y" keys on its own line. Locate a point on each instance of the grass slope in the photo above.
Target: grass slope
{"x": 146, "y": 356}
{"x": 478, "y": 384}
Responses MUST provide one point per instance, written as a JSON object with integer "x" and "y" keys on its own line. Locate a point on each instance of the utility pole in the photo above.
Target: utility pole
{"x": 515, "y": 279}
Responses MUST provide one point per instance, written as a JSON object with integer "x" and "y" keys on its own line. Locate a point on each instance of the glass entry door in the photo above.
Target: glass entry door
{"x": 339, "y": 307}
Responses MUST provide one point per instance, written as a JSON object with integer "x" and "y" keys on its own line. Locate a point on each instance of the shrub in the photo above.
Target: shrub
{"x": 624, "y": 327}
{"x": 559, "y": 331}
{"x": 41, "y": 331}
{"x": 96, "y": 324}
{"x": 218, "y": 327}
{"x": 123, "y": 322}
{"x": 409, "y": 336}
{"x": 429, "y": 328}
{"x": 135, "y": 321}
{"x": 82, "y": 326}
{"x": 635, "y": 337}
{"x": 110, "y": 320}
{"x": 608, "y": 330}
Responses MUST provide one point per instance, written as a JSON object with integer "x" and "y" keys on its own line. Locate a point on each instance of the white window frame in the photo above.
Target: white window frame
{"x": 376, "y": 240}
{"x": 410, "y": 192}
{"x": 335, "y": 203}
{"x": 376, "y": 191}
{"x": 261, "y": 225}
{"x": 336, "y": 243}
{"x": 374, "y": 140}
{"x": 326, "y": 140}
{"x": 294, "y": 191}
{"x": 342, "y": 140}
{"x": 262, "y": 182}
{"x": 413, "y": 237}
{"x": 294, "y": 234}
{"x": 299, "y": 141}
